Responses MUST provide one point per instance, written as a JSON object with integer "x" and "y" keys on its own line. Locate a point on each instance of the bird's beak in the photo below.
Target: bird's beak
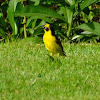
{"x": 42, "y": 27}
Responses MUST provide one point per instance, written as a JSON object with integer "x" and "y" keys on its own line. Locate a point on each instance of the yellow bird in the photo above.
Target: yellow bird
{"x": 51, "y": 42}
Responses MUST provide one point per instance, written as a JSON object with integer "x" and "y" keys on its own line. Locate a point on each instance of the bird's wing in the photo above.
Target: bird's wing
{"x": 57, "y": 40}
{"x": 59, "y": 43}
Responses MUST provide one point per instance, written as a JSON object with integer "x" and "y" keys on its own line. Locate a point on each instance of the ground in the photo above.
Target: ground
{"x": 27, "y": 72}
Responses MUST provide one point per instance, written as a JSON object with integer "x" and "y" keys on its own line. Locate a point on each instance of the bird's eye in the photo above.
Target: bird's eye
{"x": 47, "y": 29}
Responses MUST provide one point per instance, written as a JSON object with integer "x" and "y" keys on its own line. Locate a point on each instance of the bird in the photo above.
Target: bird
{"x": 52, "y": 43}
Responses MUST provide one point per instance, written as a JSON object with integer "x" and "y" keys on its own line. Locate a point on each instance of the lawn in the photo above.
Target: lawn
{"x": 27, "y": 72}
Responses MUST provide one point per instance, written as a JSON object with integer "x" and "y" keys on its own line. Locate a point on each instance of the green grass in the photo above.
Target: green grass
{"x": 28, "y": 73}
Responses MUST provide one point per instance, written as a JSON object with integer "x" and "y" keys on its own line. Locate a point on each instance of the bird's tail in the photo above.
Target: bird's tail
{"x": 63, "y": 54}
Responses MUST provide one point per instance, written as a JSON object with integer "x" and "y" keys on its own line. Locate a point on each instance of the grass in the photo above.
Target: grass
{"x": 28, "y": 73}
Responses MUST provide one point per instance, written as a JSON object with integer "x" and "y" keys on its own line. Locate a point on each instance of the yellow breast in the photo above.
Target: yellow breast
{"x": 50, "y": 44}
{"x": 48, "y": 41}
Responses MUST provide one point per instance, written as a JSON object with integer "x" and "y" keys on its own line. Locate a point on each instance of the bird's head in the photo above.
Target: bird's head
{"x": 48, "y": 29}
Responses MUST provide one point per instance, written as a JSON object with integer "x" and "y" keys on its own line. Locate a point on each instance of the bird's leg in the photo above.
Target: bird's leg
{"x": 51, "y": 54}
{"x": 58, "y": 54}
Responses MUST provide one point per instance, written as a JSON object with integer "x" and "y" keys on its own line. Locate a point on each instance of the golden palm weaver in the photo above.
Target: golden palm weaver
{"x": 51, "y": 42}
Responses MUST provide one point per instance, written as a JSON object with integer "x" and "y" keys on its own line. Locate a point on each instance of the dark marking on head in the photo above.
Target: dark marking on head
{"x": 47, "y": 29}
